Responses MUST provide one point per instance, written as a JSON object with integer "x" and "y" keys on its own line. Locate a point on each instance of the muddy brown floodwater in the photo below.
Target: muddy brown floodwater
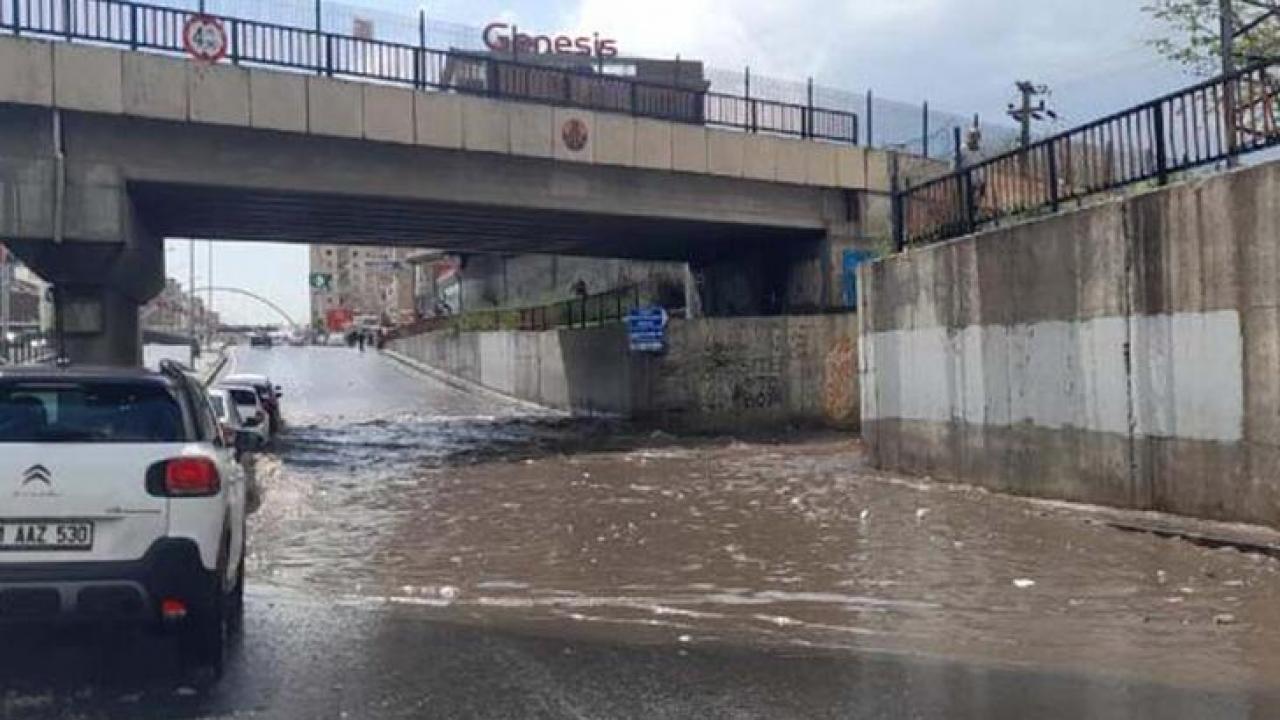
{"x": 473, "y": 511}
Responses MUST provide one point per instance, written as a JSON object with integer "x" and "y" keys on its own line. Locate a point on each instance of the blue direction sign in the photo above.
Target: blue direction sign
{"x": 647, "y": 327}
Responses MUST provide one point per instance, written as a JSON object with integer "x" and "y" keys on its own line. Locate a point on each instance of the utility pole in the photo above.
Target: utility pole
{"x": 191, "y": 294}
{"x": 6, "y": 289}
{"x": 1026, "y": 111}
{"x": 209, "y": 329}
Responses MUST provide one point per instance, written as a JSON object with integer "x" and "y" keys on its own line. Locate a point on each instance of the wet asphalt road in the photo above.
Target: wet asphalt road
{"x": 427, "y": 553}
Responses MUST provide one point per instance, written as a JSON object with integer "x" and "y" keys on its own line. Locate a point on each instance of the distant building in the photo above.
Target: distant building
{"x": 169, "y": 311}
{"x": 24, "y": 304}
{"x": 359, "y": 282}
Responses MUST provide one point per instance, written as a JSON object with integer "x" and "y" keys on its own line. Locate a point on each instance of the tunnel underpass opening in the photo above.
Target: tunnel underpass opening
{"x": 181, "y": 211}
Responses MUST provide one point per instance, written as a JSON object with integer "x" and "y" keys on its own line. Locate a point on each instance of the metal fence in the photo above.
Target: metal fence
{"x": 157, "y": 27}
{"x": 599, "y": 309}
{"x": 1187, "y": 129}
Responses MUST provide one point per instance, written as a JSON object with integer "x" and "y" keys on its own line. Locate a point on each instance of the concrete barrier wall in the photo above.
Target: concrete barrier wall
{"x": 1127, "y": 354}
{"x": 718, "y": 374}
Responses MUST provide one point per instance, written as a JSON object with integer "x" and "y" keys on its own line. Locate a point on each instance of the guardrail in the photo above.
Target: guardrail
{"x": 1200, "y": 125}
{"x": 140, "y": 26}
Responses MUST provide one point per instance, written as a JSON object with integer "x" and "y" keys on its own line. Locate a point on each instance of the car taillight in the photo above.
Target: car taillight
{"x": 184, "y": 477}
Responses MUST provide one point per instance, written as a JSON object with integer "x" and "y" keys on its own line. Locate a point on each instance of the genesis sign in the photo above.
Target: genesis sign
{"x": 504, "y": 38}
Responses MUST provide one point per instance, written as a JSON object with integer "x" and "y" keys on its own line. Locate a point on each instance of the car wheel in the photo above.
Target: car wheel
{"x": 235, "y": 601}
{"x": 204, "y": 642}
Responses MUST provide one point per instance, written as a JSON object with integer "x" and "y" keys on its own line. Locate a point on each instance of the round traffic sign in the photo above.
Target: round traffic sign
{"x": 205, "y": 38}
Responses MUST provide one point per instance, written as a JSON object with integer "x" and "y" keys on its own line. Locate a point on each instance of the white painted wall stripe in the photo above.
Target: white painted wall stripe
{"x": 1188, "y": 379}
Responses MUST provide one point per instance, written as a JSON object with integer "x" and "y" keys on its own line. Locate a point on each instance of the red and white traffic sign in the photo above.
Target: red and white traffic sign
{"x": 205, "y": 38}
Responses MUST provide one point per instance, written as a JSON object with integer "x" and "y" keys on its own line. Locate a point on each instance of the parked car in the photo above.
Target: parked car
{"x": 261, "y": 340}
{"x": 129, "y": 505}
{"x": 255, "y": 419}
{"x": 229, "y": 417}
{"x": 269, "y": 393}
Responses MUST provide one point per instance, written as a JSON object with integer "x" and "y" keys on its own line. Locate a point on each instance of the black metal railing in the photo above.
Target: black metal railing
{"x": 1200, "y": 125}
{"x": 141, "y": 26}
{"x": 600, "y": 309}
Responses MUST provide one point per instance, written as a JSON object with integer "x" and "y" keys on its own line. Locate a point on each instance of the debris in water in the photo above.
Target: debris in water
{"x": 1224, "y": 619}
{"x": 1024, "y": 583}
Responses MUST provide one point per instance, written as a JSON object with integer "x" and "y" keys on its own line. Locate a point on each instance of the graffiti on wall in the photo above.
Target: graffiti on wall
{"x": 742, "y": 369}
{"x": 840, "y": 381}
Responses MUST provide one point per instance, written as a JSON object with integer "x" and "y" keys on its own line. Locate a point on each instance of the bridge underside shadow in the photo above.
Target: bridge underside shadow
{"x": 96, "y": 199}
{"x": 276, "y": 216}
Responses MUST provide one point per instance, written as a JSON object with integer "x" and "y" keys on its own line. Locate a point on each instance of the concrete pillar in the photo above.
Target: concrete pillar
{"x": 99, "y": 288}
{"x": 98, "y": 325}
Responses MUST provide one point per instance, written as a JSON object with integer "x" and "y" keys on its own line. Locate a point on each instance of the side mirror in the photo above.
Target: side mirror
{"x": 254, "y": 421}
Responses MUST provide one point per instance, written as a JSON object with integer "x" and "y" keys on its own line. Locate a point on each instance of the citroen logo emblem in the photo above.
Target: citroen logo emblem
{"x": 37, "y": 474}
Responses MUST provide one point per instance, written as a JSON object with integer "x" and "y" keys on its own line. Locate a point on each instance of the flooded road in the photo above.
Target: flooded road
{"x": 476, "y": 512}
{"x": 474, "y": 558}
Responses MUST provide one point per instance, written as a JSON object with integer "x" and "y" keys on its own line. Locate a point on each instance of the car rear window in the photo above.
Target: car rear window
{"x": 243, "y": 397}
{"x": 87, "y": 411}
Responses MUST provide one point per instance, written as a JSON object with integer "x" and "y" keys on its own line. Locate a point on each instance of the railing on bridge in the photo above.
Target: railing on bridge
{"x": 1207, "y": 123}
{"x": 140, "y": 26}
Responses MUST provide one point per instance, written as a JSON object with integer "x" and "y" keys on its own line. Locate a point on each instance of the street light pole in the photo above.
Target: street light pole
{"x": 208, "y": 308}
{"x": 191, "y": 294}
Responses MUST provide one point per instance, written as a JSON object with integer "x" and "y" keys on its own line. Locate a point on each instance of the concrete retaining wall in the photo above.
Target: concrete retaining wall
{"x": 1127, "y": 354}
{"x": 718, "y": 374}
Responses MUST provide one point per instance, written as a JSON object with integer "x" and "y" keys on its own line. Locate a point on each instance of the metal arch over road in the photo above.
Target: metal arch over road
{"x": 253, "y": 296}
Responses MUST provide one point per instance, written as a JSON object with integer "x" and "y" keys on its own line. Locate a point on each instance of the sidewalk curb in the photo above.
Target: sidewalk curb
{"x": 465, "y": 385}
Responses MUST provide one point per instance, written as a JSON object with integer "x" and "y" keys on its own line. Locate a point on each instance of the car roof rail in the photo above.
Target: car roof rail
{"x": 173, "y": 367}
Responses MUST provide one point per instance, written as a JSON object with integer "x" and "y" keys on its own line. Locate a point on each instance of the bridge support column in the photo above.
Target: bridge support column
{"x": 99, "y": 288}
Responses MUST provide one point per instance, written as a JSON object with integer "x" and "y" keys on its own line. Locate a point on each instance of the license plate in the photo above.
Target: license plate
{"x": 45, "y": 535}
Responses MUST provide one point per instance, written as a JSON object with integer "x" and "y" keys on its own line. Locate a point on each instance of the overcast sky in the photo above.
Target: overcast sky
{"x": 963, "y": 56}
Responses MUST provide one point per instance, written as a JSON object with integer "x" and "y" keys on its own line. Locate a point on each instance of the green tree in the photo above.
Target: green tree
{"x": 1193, "y": 34}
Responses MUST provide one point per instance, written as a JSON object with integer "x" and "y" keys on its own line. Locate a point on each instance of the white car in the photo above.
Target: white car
{"x": 269, "y": 395}
{"x": 238, "y": 408}
{"x": 255, "y": 419}
{"x": 120, "y": 501}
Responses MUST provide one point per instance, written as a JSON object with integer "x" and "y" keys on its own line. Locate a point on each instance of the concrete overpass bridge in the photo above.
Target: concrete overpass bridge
{"x": 105, "y": 152}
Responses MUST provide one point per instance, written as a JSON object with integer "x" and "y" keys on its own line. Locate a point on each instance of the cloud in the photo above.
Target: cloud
{"x": 961, "y": 55}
